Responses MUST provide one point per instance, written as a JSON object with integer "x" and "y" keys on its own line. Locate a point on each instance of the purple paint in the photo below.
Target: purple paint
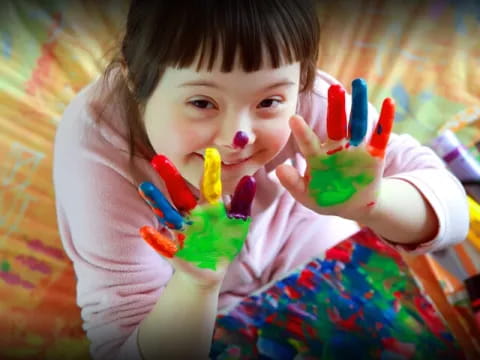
{"x": 34, "y": 264}
{"x": 458, "y": 159}
{"x": 37, "y": 245}
{"x": 13, "y": 279}
{"x": 242, "y": 199}
{"x": 240, "y": 139}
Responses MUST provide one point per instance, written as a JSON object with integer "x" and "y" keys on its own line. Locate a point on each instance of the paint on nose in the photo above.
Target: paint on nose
{"x": 240, "y": 139}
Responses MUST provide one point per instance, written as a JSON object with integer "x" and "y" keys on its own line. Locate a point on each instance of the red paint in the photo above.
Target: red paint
{"x": 341, "y": 252}
{"x": 158, "y": 241}
{"x": 181, "y": 239}
{"x": 158, "y": 212}
{"x": 428, "y": 315}
{"x": 310, "y": 331}
{"x": 382, "y": 131}
{"x": 269, "y": 319}
{"x": 405, "y": 349}
{"x": 338, "y": 254}
{"x": 347, "y": 145}
{"x": 333, "y": 151}
{"x": 368, "y": 295}
{"x": 350, "y": 322}
{"x": 306, "y": 279}
{"x": 182, "y": 197}
{"x": 292, "y": 292}
{"x": 370, "y": 204}
{"x": 295, "y": 325}
{"x": 336, "y": 115}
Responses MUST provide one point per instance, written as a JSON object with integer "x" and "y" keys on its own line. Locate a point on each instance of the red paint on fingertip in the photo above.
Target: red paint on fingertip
{"x": 336, "y": 115}
{"x": 158, "y": 241}
{"x": 182, "y": 197}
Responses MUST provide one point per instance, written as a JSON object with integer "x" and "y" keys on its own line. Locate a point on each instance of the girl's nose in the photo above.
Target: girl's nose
{"x": 235, "y": 134}
{"x": 240, "y": 139}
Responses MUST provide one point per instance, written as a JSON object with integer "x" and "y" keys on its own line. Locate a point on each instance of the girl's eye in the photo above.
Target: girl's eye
{"x": 269, "y": 103}
{"x": 202, "y": 104}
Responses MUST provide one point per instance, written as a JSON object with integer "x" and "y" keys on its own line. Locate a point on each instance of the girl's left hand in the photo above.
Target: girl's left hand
{"x": 343, "y": 175}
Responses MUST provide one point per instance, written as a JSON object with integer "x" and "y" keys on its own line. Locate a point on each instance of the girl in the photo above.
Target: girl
{"x": 237, "y": 78}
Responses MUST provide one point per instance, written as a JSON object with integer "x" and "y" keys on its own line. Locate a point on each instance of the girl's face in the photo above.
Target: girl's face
{"x": 190, "y": 111}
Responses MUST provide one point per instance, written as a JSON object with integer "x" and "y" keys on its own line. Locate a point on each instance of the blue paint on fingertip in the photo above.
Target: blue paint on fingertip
{"x": 359, "y": 112}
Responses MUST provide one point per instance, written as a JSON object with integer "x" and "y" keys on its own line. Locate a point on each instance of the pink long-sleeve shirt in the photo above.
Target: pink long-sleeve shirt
{"x": 120, "y": 277}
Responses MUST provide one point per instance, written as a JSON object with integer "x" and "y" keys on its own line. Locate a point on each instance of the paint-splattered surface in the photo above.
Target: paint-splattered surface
{"x": 360, "y": 302}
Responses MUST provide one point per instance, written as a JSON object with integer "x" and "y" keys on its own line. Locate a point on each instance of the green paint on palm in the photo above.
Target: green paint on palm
{"x": 213, "y": 236}
{"x": 336, "y": 178}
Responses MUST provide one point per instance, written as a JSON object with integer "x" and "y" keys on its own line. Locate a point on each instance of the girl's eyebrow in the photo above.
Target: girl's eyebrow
{"x": 283, "y": 82}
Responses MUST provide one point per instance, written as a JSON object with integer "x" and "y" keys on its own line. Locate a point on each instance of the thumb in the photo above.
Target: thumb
{"x": 291, "y": 179}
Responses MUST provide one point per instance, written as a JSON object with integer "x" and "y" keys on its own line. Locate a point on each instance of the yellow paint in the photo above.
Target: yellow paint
{"x": 211, "y": 182}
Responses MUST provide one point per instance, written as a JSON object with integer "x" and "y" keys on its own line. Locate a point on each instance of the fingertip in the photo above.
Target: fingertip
{"x": 357, "y": 128}
{"x": 359, "y": 83}
{"x": 243, "y": 197}
{"x": 158, "y": 241}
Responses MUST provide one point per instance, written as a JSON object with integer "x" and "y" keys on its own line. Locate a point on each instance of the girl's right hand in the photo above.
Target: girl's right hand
{"x": 207, "y": 236}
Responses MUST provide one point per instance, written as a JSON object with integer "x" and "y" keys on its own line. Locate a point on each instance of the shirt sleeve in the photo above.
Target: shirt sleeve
{"x": 119, "y": 276}
{"x": 406, "y": 159}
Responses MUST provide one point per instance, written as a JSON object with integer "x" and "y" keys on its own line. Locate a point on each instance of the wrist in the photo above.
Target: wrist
{"x": 401, "y": 214}
{"x": 195, "y": 285}
{"x": 374, "y": 213}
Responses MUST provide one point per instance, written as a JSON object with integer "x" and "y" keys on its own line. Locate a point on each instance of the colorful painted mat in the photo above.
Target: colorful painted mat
{"x": 360, "y": 302}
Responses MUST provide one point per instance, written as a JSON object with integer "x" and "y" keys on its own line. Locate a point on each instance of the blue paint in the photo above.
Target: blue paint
{"x": 275, "y": 350}
{"x": 361, "y": 255}
{"x": 379, "y": 129}
{"x": 359, "y": 112}
{"x": 157, "y": 200}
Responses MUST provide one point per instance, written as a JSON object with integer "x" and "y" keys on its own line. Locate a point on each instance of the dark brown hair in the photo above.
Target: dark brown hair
{"x": 164, "y": 33}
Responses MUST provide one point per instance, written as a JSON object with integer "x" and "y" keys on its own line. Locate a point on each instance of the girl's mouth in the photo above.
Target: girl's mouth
{"x": 226, "y": 165}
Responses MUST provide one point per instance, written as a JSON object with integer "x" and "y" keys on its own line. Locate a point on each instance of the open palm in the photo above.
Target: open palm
{"x": 343, "y": 175}
{"x": 206, "y": 235}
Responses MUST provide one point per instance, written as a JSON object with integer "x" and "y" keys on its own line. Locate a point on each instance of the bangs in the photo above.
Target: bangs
{"x": 248, "y": 31}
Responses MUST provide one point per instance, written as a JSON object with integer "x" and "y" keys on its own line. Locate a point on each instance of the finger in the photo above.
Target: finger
{"x": 160, "y": 205}
{"x": 291, "y": 179}
{"x": 158, "y": 241}
{"x": 211, "y": 181}
{"x": 336, "y": 115}
{"x": 182, "y": 197}
{"x": 242, "y": 198}
{"x": 382, "y": 132}
{"x": 359, "y": 112}
{"x": 306, "y": 139}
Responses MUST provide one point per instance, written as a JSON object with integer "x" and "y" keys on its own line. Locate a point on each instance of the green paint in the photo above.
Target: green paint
{"x": 213, "y": 236}
{"x": 336, "y": 178}
{"x": 5, "y": 267}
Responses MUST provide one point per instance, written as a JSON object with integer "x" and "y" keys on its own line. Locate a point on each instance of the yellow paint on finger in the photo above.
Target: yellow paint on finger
{"x": 212, "y": 183}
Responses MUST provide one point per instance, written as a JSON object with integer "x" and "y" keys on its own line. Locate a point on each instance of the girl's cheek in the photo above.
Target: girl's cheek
{"x": 192, "y": 138}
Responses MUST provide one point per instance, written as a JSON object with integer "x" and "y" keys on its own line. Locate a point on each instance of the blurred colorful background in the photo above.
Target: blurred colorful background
{"x": 424, "y": 54}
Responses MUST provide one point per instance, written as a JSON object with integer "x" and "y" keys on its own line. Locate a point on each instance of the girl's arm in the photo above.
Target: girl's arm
{"x": 420, "y": 201}
{"x": 402, "y": 215}
{"x": 181, "y": 324}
